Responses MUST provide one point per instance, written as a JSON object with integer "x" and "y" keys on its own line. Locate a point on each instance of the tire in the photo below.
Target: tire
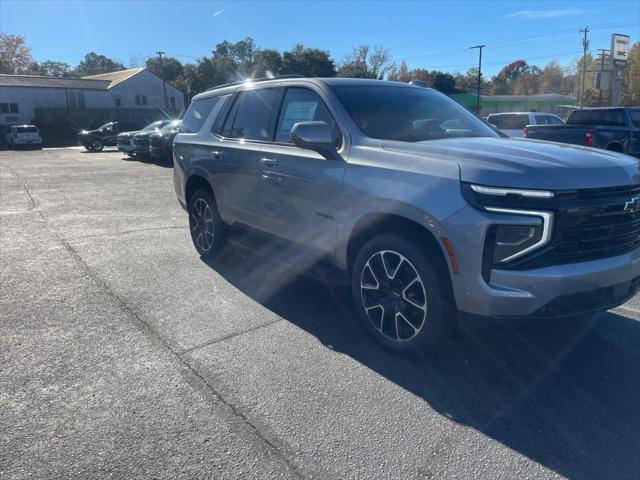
{"x": 207, "y": 229}
{"x": 403, "y": 303}
{"x": 96, "y": 145}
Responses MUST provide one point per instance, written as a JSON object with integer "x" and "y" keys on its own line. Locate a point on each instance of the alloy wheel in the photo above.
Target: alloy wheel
{"x": 393, "y": 296}
{"x": 201, "y": 224}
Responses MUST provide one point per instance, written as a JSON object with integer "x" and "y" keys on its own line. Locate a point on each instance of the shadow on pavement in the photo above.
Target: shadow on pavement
{"x": 566, "y": 394}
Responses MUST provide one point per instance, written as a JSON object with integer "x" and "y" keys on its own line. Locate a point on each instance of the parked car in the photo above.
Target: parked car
{"x": 513, "y": 123}
{"x": 416, "y": 203}
{"x": 161, "y": 141}
{"x": 616, "y": 129}
{"x": 124, "y": 140}
{"x": 23, "y": 136}
{"x": 105, "y": 135}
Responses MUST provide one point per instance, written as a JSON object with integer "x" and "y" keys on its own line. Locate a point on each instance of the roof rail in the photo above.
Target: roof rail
{"x": 256, "y": 80}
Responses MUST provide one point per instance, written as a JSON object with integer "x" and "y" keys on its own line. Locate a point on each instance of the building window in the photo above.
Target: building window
{"x": 141, "y": 99}
{"x": 118, "y": 101}
{"x": 172, "y": 102}
{"x": 9, "y": 108}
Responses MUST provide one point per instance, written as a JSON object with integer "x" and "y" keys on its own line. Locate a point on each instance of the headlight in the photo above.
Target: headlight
{"x": 509, "y": 242}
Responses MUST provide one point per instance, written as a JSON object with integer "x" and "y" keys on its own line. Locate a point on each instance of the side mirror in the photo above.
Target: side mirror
{"x": 316, "y": 136}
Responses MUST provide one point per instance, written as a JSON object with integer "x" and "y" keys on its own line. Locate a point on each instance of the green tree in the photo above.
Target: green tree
{"x": 173, "y": 68}
{"x": 15, "y": 56}
{"x": 630, "y": 84}
{"x": 267, "y": 63}
{"x": 94, "y": 64}
{"x": 308, "y": 62}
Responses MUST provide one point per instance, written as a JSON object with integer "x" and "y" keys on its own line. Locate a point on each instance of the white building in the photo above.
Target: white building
{"x": 136, "y": 88}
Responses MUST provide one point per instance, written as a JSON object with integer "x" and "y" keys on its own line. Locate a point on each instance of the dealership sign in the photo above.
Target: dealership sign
{"x": 619, "y": 50}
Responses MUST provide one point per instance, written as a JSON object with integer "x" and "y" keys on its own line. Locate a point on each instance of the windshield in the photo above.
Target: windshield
{"x": 407, "y": 114}
{"x": 171, "y": 125}
{"x": 26, "y": 130}
{"x": 154, "y": 125}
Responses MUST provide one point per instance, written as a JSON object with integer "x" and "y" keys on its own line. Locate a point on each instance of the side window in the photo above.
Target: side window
{"x": 515, "y": 122}
{"x": 551, "y": 120}
{"x": 197, "y": 114}
{"x": 542, "y": 119}
{"x": 495, "y": 120}
{"x": 300, "y": 105}
{"x": 249, "y": 117}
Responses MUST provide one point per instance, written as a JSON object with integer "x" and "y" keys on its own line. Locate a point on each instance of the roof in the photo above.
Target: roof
{"x": 542, "y": 97}
{"x": 103, "y": 81}
{"x": 7, "y": 80}
{"x": 497, "y": 114}
{"x": 115, "y": 77}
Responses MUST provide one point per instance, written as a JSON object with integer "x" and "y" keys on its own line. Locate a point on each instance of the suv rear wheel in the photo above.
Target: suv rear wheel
{"x": 400, "y": 298}
{"x": 206, "y": 226}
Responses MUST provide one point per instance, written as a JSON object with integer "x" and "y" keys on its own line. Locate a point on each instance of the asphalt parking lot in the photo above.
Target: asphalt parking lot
{"x": 123, "y": 355}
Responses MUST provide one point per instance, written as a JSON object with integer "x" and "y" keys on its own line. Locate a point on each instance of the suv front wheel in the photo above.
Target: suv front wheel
{"x": 400, "y": 296}
{"x": 206, "y": 226}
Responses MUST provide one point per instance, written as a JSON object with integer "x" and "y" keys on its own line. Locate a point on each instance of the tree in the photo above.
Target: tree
{"x": 365, "y": 62}
{"x": 308, "y": 62}
{"x": 630, "y": 84}
{"x": 15, "y": 56}
{"x": 173, "y": 68}
{"x": 50, "y": 68}
{"x": 94, "y": 64}
{"x": 400, "y": 74}
{"x": 267, "y": 63}
{"x": 443, "y": 82}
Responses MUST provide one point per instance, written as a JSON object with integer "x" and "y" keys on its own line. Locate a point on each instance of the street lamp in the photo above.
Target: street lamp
{"x": 479, "y": 47}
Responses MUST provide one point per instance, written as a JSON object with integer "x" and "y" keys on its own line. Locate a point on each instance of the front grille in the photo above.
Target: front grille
{"x": 591, "y": 224}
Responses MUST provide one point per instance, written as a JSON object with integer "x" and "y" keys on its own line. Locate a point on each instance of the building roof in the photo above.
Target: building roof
{"x": 7, "y": 80}
{"x": 103, "y": 81}
{"x": 115, "y": 77}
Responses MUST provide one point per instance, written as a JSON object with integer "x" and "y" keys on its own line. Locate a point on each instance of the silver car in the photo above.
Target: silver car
{"x": 422, "y": 208}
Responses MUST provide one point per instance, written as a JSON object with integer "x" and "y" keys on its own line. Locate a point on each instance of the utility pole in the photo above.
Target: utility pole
{"x": 479, "y": 47}
{"x": 164, "y": 84}
{"x": 585, "y": 46}
{"x": 602, "y": 54}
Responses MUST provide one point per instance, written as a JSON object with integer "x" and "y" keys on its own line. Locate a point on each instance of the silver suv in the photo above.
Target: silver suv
{"x": 424, "y": 209}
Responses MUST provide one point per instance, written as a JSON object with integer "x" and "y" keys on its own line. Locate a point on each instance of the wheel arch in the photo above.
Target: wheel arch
{"x": 374, "y": 224}
{"x": 615, "y": 146}
{"x": 194, "y": 183}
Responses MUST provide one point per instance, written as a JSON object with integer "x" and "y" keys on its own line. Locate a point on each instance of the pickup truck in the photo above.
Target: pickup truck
{"x": 616, "y": 129}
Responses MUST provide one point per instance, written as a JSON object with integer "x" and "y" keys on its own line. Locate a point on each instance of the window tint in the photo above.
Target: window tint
{"x": 635, "y": 117}
{"x": 553, "y": 120}
{"x": 597, "y": 117}
{"x": 514, "y": 122}
{"x": 301, "y": 105}
{"x": 408, "y": 114}
{"x": 26, "y": 130}
{"x": 250, "y": 115}
{"x": 197, "y": 113}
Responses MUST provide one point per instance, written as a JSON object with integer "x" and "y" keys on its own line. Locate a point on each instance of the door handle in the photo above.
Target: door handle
{"x": 269, "y": 162}
{"x": 217, "y": 154}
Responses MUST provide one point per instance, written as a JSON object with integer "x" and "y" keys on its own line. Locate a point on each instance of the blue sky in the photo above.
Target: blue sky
{"x": 432, "y": 35}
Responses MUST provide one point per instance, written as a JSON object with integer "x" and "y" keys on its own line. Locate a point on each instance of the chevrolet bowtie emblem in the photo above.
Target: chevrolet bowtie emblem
{"x": 632, "y": 205}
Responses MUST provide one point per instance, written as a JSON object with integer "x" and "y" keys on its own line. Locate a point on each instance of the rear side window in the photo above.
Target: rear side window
{"x": 510, "y": 122}
{"x": 613, "y": 118}
{"x": 635, "y": 117}
{"x": 197, "y": 113}
{"x": 249, "y": 117}
{"x": 301, "y": 105}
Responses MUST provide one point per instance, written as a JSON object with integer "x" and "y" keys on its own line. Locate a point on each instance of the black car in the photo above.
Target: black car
{"x": 106, "y": 135}
{"x": 125, "y": 139}
{"x": 161, "y": 141}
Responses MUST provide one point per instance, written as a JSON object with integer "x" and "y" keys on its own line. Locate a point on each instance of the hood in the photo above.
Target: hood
{"x": 126, "y": 134}
{"x": 86, "y": 133}
{"x": 524, "y": 163}
{"x": 143, "y": 134}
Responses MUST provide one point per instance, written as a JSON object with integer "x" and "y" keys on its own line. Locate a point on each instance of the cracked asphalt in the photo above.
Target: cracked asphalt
{"x": 123, "y": 355}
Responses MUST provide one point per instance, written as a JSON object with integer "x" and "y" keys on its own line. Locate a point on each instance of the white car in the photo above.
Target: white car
{"x": 514, "y": 123}
{"x": 23, "y": 136}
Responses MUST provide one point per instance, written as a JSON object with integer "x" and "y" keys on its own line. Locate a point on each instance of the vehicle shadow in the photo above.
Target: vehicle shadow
{"x": 160, "y": 162}
{"x": 564, "y": 394}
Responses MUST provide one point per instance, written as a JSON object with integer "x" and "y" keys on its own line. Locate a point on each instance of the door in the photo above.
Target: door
{"x": 299, "y": 189}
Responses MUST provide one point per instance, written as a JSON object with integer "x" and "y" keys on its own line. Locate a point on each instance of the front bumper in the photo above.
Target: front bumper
{"x": 551, "y": 291}
{"x": 141, "y": 149}
{"x": 125, "y": 147}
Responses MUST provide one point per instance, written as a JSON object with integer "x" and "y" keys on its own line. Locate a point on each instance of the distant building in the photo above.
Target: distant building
{"x": 545, "y": 102}
{"x": 27, "y": 98}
